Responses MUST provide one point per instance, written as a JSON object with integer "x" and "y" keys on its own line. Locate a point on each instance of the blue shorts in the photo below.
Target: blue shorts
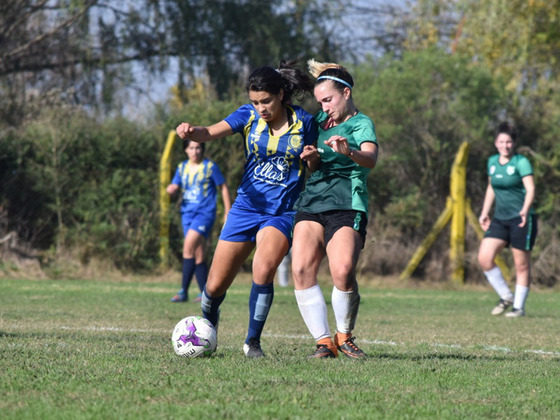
{"x": 518, "y": 237}
{"x": 199, "y": 222}
{"x": 242, "y": 225}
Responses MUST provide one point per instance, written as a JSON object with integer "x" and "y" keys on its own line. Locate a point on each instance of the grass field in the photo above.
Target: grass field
{"x": 73, "y": 349}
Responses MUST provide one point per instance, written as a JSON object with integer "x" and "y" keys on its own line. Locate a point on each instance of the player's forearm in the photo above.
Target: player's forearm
{"x": 488, "y": 201}
{"x": 226, "y": 198}
{"x": 529, "y": 184}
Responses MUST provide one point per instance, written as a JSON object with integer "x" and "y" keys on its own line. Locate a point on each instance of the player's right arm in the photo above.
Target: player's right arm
{"x": 172, "y": 189}
{"x": 202, "y": 134}
{"x": 484, "y": 219}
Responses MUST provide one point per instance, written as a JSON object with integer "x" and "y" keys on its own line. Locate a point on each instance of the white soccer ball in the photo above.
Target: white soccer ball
{"x": 194, "y": 336}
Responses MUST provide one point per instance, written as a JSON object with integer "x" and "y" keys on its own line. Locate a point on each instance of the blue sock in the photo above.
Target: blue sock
{"x": 201, "y": 273}
{"x": 260, "y": 302}
{"x": 211, "y": 307}
{"x": 188, "y": 271}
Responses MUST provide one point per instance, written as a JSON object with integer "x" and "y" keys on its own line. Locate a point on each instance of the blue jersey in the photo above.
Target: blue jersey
{"x": 274, "y": 173}
{"x": 198, "y": 187}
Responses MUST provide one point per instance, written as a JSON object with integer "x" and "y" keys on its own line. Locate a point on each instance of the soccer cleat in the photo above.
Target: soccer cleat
{"x": 323, "y": 352}
{"x": 253, "y": 349}
{"x": 179, "y": 297}
{"x": 501, "y": 307}
{"x": 349, "y": 349}
{"x": 198, "y": 298}
{"x": 515, "y": 313}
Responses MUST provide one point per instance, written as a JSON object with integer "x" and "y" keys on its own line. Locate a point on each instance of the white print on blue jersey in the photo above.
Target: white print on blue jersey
{"x": 274, "y": 171}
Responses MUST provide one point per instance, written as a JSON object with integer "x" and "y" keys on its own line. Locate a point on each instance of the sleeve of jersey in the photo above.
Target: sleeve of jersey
{"x": 365, "y": 132}
{"x": 238, "y": 119}
{"x": 217, "y": 175}
{"x": 177, "y": 177}
{"x": 311, "y": 133}
{"x": 524, "y": 167}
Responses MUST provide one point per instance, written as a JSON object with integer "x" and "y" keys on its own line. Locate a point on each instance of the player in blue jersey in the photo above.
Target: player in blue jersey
{"x": 198, "y": 179}
{"x": 512, "y": 187}
{"x": 279, "y": 139}
{"x": 332, "y": 212}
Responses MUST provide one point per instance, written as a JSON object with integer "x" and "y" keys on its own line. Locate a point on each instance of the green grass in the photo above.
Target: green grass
{"x": 74, "y": 349}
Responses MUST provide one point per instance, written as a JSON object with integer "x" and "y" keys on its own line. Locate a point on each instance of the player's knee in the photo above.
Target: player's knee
{"x": 342, "y": 273}
{"x": 485, "y": 261}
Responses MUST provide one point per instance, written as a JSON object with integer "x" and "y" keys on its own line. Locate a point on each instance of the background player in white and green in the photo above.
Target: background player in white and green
{"x": 511, "y": 186}
{"x": 332, "y": 213}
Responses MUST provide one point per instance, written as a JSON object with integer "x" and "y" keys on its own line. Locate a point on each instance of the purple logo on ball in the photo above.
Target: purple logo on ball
{"x": 190, "y": 337}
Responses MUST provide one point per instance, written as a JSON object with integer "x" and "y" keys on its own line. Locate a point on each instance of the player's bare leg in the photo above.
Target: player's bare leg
{"x": 343, "y": 251}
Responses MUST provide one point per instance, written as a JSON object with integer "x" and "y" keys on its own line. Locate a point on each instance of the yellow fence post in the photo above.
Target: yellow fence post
{"x": 457, "y": 209}
{"x": 458, "y": 195}
{"x": 164, "y": 200}
{"x": 422, "y": 249}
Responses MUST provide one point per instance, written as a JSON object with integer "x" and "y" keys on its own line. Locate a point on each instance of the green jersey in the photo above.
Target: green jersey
{"x": 339, "y": 183}
{"x": 507, "y": 183}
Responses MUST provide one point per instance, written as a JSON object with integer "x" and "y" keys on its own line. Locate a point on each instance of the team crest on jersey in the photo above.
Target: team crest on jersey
{"x": 510, "y": 170}
{"x": 294, "y": 141}
{"x": 273, "y": 171}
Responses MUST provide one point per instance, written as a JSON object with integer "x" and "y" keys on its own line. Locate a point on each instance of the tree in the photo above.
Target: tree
{"x": 80, "y": 47}
{"x": 88, "y": 49}
{"x": 226, "y": 39}
{"x": 424, "y": 106}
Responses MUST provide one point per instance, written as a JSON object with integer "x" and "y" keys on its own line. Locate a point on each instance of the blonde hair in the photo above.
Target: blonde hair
{"x": 316, "y": 68}
{"x": 337, "y": 74}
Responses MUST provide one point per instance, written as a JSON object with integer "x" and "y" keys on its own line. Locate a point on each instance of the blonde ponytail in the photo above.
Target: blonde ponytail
{"x": 316, "y": 68}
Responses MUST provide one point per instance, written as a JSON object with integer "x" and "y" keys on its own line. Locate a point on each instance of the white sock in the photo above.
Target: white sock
{"x": 283, "y": 272}
{"x": 345, "y": 306}
{"x": 521, "y": 293}
{"x": 313, "y": 309}
{"x": 499, "y": 284}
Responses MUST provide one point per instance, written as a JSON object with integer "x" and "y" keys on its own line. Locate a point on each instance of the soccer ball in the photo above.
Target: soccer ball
{"x": 194, "y": 336}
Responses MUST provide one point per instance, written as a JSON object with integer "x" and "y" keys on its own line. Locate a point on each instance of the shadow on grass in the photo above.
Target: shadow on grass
{"x": 439, "y": 356}
{"x": 9, "y": 335}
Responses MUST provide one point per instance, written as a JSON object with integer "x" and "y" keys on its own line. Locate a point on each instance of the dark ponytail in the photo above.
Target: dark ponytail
{"x": 507, "y": 128}
{"x": 291, "y": 79}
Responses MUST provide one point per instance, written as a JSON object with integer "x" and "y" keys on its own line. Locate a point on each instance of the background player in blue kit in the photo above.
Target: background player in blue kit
{"x": 198, "y": 179}
{"x": 279, "y": 140}
{"x": 512, "y": 187}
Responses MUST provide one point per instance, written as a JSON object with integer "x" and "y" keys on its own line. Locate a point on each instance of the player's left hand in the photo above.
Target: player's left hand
{"x": 523, "y": 218}
{"x": 310, "y": 154}
{"x": 339, "y": 144}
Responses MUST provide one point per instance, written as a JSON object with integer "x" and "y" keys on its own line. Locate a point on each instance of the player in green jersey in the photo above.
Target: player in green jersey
{"x": 332, "y": 212}
{"x": 511, "y": 186}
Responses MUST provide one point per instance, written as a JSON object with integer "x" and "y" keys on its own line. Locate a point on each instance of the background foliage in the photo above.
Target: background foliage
{"x": 81, "y": 135}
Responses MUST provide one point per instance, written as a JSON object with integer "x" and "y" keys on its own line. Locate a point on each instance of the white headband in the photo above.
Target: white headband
{"x": 344, "y": 82}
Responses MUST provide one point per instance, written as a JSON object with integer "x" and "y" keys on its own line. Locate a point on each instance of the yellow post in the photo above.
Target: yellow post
{"x": 164, "y": 200}
{"x": 428, "y": 240}
{"x": 458, "y": 196}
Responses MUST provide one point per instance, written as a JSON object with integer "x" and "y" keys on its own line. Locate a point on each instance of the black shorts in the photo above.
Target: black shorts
{"x": 335, "y": 219}
{"x": 518, "y": 237}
